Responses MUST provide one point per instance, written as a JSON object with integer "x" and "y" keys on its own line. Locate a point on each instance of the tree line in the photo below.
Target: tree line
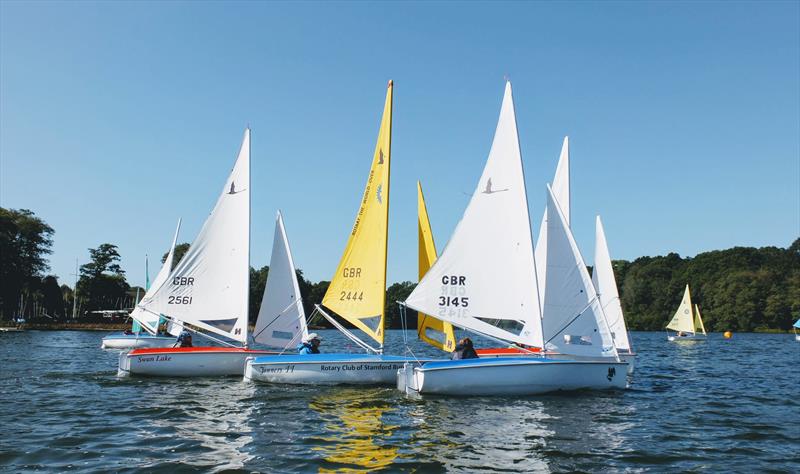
{"x": 739, "y": 289}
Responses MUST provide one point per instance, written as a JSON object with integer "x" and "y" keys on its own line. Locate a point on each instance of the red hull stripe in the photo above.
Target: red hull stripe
{"x": 506, "y": 350}
{"x": 189, "y": 350}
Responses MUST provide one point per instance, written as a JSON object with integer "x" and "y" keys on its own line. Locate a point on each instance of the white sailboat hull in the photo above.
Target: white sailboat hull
{"x": 627, "y": 356}
{"x": 186, "y": 361}
{"x": 133, "y": 341}
{"x": 326, "y": 369}
{"x": 689, "y": 337}
{"x": 510, "y": 376}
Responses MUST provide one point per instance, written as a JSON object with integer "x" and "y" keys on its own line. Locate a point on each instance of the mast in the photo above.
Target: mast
{"x": 249, "y": 223}
{"x": 388, "y": 194}
{"x": 75, "y": 292}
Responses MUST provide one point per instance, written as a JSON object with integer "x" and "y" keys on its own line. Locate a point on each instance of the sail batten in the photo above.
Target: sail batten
{"x": 486, "y": 274}
{"x": 209, "y": 287}
{"x": 357, "y": 291}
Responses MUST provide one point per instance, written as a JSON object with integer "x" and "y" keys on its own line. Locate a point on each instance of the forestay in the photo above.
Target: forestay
{"x": 146, "y": 319}
{"x": 561, "y": 191}
{"x": 606, "y": 285}
{"x": 573, "y": 319}
{"x": 435, "y": 332}
{"x": 683, "y": 320}
{"x": 357, "y": 291}
{"x": 209, "y": 287}
{"x": 281, "y": 319}
{"x": 485, "y": 279}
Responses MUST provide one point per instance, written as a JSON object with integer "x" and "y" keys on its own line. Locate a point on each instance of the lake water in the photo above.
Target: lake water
{"x": 719, "y": 405}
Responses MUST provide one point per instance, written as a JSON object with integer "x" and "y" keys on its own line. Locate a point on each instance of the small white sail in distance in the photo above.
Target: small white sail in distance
{"x": 148, "y": 320}
{"x": 209, "y": 287}
{"x": 573, "y": 320}
{"x": 606, "y": 285}
{"x": 683, "y": 319}
{"x": 561, "y": 191}
{"x": 485, "y": 278}
{"x": 281, "y": 319}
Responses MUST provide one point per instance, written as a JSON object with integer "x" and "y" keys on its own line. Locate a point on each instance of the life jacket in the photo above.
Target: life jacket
{"x": 463, "y": 352}
{"x": 307, "y": 348}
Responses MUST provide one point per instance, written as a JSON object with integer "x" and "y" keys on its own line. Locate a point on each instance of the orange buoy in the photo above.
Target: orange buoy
{"x": 727, "y": 334}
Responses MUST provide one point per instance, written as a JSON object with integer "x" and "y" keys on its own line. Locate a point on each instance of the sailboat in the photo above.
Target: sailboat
{"x": 144, "y": 332}
{"x": 687, "y": 323}
{"x": 795, "y": 327}
{"x": 207, "y": 291}
{"x": 434, "y": 331}
{"x": 606, "y": 286}
{"x": 357, "y": 293}
{"x": 485, "y": 281}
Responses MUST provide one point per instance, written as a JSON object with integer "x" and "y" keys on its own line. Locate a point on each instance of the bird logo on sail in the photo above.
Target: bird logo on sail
{"x": 378, "y": 193}
{"x": 489, "y": 189}
{"x": 233, "y": 189}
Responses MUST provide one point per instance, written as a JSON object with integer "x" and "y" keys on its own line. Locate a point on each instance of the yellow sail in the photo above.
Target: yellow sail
{"x": 358, "y": 289}
{"x": 698, "y": 321}
{"x": 431, "y": 330}
{"x": 683, "y": 320}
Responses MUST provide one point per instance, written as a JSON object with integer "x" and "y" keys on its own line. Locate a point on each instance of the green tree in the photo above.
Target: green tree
{"x": 102, "y": 282}
{"x": 180, "y": 251}
{"x": 25, "y": 242}
{"x": 398, "y": 292}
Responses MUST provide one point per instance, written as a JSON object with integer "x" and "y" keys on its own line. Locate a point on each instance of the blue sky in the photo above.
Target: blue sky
{"x": 118, "y": 118}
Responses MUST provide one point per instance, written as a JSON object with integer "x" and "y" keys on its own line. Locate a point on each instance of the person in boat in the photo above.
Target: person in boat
{"x": 310, "y": 344}
{"x": 184, "y": 339}
{"x": 464, "y": 350}
{"x": 128, "y": 332}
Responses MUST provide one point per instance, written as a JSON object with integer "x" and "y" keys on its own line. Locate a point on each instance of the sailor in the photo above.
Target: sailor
{"x": 185, "y": 339}
{"x": 464, "y": 350}
{"x": 310, "y": 344}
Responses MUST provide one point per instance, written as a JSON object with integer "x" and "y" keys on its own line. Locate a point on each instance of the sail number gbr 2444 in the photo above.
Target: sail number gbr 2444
{"x": 353, "y": 294}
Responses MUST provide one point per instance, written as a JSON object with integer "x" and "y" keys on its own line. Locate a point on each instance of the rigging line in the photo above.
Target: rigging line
{"x": 347, "y": 332}
{"x": 283, "y": 311}
{"x": 180, "y": 324}
{"x": 572, "y": 320}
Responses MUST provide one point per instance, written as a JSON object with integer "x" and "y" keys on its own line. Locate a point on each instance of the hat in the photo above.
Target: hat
{"x": 311, "y": 337}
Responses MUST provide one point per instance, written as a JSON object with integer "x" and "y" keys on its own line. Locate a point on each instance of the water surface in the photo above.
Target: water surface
{"x": 718, "y": 405}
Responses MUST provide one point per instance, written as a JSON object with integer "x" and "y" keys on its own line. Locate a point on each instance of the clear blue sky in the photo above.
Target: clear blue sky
{"x": 118, "y": 118}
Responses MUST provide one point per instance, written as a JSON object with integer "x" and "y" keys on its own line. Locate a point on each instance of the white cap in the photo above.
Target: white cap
{"x": 311, "y": 337}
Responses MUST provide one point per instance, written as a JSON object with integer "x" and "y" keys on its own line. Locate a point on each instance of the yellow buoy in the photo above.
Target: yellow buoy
{"x": 727, "y": 334}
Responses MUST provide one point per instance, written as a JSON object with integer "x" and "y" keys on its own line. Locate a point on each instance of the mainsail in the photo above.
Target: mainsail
{"x": 606, "y": 286}
{"x": 281, "y": 319}
{"x": 573, "y": 320}
{"x": 683, "y": 320}
{"x": 208, "y": 288}
{"x": 145, "y": 319}
{"x": 485, "y": 279}
{"x": 357, "y": 291}
{"x": 698, "y": 321}
{"x": 431, "y": 330}
{"x": 561, "y": 191}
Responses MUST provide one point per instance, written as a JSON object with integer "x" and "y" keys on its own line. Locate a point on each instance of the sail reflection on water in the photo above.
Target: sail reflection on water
{"x": 354, "y": 436}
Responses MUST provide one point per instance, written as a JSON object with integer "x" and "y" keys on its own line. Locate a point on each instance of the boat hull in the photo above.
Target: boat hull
{"x": 627, "y": 356}
{"x": 326, "y": 369}
{"x": 693, "y": 337}
{"x": 186, "y": 361}
{"x": 510, "y": 376}
{"x": 134, "y": 341}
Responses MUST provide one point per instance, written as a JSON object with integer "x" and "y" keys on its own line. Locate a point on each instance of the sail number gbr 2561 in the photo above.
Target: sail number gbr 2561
{"x": 181, "y": 281}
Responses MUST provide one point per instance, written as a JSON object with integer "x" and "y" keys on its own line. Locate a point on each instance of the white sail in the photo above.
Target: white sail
{"x": 485, "y": 278}
{"x": 281, "y": 319}
{"x": 561, "y": 191}
{"x": 683, "y": 319}
{"x": 606, "y": 286}
{"x": 209, "y": 287}
{"x": 573, "y": 320}
{"x": 147, "y": 320}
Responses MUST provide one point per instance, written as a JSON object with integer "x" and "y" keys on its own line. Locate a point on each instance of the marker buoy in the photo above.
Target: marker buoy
{"x": 727, "y": 334}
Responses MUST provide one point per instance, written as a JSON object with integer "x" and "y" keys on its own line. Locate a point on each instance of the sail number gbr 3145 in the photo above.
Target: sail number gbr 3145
{"x": 453, "y": 292}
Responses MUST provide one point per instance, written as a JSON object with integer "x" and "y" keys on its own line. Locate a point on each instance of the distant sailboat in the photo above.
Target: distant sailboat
{"x": 795, "y": 328}
{"x": 144, "y": 332}
{"x": 486, "y": 281}
{"x": 357, "y": 292}
{"x": 687, "y": 323}
{"x": 207, "y": 291}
